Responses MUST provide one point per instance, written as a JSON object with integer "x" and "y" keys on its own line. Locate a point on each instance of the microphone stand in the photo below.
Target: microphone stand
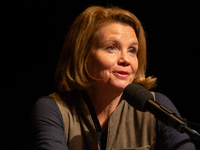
{"x": 170, "y": 118}
{"x": 193, "y": 125}
{"x": 192, "y": 133}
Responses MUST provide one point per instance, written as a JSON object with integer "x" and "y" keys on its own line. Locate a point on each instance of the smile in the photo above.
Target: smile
{"x": 121, "y": 74}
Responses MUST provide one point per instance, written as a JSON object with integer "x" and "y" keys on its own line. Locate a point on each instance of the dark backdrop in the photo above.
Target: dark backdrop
{"x": 32, "y": 35}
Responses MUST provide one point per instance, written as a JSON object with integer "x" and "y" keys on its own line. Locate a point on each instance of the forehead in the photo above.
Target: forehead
{"x": 117, "y": 31}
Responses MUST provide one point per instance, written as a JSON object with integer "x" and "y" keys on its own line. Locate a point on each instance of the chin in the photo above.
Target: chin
{"x": 121, "y": 83}
{"x": 120, "y": 86}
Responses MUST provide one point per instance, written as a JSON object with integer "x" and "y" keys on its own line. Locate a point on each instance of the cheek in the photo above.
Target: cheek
{"x": 134, "y": 66}
{"x": 99, "y": 65}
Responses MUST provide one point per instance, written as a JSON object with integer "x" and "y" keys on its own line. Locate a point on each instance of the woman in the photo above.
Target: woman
{"x": 104, "y": 51}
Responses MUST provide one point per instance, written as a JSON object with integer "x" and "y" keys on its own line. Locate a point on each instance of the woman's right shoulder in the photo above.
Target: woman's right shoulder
{"x": 47, "y": 124}
{"x": 46, "y": 107}
{"x": 51, "y": 101}
{"x": 53, "y": 105}
{"x": 45, "y": 102}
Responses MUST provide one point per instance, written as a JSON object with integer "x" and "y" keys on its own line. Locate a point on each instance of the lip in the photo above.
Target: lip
{"x": 121, "y": 74}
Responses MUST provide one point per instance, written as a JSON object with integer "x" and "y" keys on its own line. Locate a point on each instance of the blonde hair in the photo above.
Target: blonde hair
{"x": 71, "y": 72}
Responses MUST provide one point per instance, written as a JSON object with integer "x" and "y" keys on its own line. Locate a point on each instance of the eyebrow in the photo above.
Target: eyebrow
{"x": 117, "y": 41}
{"x": 135, "y": 43}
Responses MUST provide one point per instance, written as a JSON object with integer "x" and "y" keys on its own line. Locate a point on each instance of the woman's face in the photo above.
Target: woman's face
{"x": 113, "y": 58}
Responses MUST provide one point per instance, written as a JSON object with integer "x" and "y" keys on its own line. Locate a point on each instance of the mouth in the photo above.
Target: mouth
{"x": 121, "y": 74}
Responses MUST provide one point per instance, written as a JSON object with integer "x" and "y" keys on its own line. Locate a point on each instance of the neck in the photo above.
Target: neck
{"x": 104, "y": 102}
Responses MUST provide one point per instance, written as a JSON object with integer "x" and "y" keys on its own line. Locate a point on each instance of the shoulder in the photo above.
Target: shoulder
{"x": 47, "y": 110}
{"x": 51, "y": 106}
{"x": 168, "y": 137}
{"x": 51, "y": 102}
{"x": 164, "y": 100}
{"x": 54, "y": 107}
{"x": 161, "y": 98}
{"x": 47, "y": 125}
{"x": 45, "y": 103}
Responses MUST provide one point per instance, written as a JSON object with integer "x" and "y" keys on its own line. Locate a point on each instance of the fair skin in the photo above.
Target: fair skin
{"x": 113, "y": 60}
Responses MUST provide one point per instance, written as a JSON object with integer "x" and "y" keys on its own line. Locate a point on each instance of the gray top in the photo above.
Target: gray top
{"x": 48, "y": 127}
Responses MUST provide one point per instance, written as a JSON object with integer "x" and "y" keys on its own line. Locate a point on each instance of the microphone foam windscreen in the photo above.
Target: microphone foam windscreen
{"x": 136, "y": 95}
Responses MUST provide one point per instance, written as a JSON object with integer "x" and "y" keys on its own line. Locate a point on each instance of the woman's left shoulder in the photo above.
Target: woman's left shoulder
{"x": 164, "y": 100}
{"x": 168, "y": 137}
{"x": 160, "y": 97}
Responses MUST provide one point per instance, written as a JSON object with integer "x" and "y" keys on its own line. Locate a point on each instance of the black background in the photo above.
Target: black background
{"x": 32, "y": 34}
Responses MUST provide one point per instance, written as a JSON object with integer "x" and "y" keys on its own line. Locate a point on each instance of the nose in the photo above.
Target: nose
{"x": 124, "y": 59}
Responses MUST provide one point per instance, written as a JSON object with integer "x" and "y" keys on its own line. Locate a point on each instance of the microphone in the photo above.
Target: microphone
{"x": 141, "y": 99}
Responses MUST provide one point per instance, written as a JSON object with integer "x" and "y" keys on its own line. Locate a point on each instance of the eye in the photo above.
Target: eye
{"x": 132, "y": 51}
{"x": 111, "y": 48}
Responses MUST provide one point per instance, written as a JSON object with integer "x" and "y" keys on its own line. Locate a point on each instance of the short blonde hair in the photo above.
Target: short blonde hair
{"x": 71, "y": 72}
